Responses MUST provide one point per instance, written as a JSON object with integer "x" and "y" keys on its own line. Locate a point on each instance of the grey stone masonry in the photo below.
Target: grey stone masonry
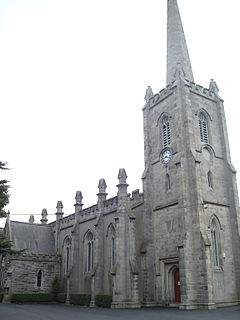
{"x": 177, "y": 51}
{"x": 177, "y": 243}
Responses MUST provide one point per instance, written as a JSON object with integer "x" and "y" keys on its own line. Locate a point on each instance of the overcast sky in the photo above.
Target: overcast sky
{"x": 73, "y": 76}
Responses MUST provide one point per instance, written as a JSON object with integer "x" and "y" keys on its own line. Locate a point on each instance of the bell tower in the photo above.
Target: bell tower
{"x": 190, "y": 186}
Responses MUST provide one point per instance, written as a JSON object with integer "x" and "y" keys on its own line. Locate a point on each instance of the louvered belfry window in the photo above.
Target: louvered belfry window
{"x": 166, "y": 135}
{"x": 203, "y": 128}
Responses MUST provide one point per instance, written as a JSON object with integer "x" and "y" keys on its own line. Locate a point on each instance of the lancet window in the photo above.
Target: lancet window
{"x": 168, "y": 182}
{"x": 166, "y": 134}
{"x": 215, "y": 243}
{"x": 39, "y": 278}
{"x": 89, "y": 251}
{"x": 112, "y": 246}
{"x": 210, "y": 179}
{"x": 203, "y": 127}
{"x": 67, "y": 254}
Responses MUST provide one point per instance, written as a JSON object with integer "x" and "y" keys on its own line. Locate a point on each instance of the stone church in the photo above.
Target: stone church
{"x": 178, "y": 242}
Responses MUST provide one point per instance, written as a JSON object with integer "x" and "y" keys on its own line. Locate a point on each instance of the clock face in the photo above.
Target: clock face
{"x": 166, "y": 156}
{"x": 206, "y": 154}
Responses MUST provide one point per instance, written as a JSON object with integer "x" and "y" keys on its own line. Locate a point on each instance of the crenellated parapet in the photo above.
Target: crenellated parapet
{"x": 90, "y": 211}
{"x": 152, "y": 100}
{"x": 200, "y": 90}
{"x": 105, "y": 206}
{"x": 137, "y": 199}
{"x": 110, "y": 205}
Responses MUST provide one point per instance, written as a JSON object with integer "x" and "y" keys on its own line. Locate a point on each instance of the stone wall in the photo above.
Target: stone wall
{"x": 22, "y": 271}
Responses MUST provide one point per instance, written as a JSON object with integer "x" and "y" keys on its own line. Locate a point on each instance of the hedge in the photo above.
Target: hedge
{"x": 1, "y": 296}
{"x": 31, "y": 297}
{"x": 103, "y": 301}
{"x": 60, "y": 297}
{"x": 81, "y": 299}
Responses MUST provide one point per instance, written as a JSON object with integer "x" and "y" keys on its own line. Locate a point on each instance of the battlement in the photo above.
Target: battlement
{"x": 110, "y": 205}
{"x": 200, "y": 90}
{"x": 153, "y": 100}
{"x": 137, "y": 198}
{"x": 163, "y": 94}
{"x": 90, "y": 211}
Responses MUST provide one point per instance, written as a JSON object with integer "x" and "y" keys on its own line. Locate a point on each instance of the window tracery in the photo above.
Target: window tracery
{"x": 89, "y": 251}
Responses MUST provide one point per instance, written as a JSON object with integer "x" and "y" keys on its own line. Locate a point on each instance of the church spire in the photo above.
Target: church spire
{"x": 177, "y": 52}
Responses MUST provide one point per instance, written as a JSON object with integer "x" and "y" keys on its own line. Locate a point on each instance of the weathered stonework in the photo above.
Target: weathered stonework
{"x": 177, "y": 243}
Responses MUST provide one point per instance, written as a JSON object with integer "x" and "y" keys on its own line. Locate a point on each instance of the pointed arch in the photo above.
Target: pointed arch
{"x": 166, "y": 132}
{"x": 111, "y": 234}
{"x": 210, "y": 179}
{"x": 164, "y": 123}
{"x": 167, "y": 182}
{"x": 66, "y": 254}
{"x": 88, "y": 245}
{"x": 215, "y": 238}
{"x": 173, "y": 279}
{"x": 203, "y": 127}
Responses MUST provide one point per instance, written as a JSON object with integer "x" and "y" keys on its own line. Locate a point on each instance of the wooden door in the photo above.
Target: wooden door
{"x": 177, "y": 286}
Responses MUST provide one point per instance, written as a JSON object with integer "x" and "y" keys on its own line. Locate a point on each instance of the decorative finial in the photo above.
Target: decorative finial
{"x": 122, "y": 190}
{"x": 59, "y": 207}
{"x": 78, "y": 197}
{"x": 149, "y": 93}
{"x": 31, "y": 218}
{"x": 59, "y": 212}
{"x": 78, "y": 205}
{"x": 122, "y": 176}
{"x": 102, "y": 195}
{"x": 44, "y": 219}
{"x": 102, "y": 186}
{"x": 213, "y": 86}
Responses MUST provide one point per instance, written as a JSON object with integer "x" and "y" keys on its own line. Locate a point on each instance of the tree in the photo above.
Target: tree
{"x": 4, "y": 195}
{"x": 5, "y": 243}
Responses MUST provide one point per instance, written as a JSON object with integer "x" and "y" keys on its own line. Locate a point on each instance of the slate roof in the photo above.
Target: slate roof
{"x": 35, "y": 238}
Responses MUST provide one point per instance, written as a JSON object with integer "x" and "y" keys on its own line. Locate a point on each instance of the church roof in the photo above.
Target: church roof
{"x": 34, "y": 238}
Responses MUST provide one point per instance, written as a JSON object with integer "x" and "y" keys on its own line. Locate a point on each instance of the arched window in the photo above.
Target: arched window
{"x": 168, "y": 182}
{"x": 112, "y": 246}
{"x": 66, "y": 254}
{"x": 203, "y": 128}
{"x": 67, "y": 258}
{"x": 210, "y": 179}
{"x": 39, "y": 278}
{"x": 166, "y": 135}
{"x": 89, "y": 251}
{"x": 215, "y": 243}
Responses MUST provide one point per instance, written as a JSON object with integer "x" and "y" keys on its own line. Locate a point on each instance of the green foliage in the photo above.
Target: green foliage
{"x": 81, "y": 299}
{"x": 60, "y": 297}
{"x": 4, "y": 195}
{"x": 1, "y": 297}
{"x": 103, "y": 301}
{"x": 5, "y": 245}
{"x": 31, "y": 297}
{"x": 55, "y": 288}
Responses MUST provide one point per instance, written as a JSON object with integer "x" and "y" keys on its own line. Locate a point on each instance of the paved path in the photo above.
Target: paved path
{"x": 63, "y": 312}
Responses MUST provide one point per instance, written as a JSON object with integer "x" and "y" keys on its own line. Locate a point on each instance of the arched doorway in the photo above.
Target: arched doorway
{"x": 177, "y": 291}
